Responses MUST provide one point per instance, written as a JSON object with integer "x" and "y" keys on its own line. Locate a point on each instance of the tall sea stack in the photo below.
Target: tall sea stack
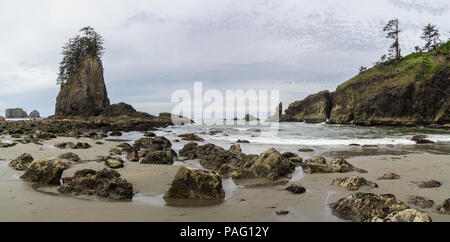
{"x": 84, "y": 94}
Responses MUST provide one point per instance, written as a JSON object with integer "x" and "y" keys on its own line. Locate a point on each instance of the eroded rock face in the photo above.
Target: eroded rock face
{"x": 353, "y": 183}
{"x": 22, "y": 162}
{"x": 315, "y": 108}
{"x": 366, "y": 206}
{"x": 44, "y": 171}
{"x": 105, "y": 183}
{"x": 337, "y": 165}
{"x": 15, "y": 113}
{"x": 84, "y": 94}
{"x": 195, "y": 184}
{"x": 270, "y": 165}
{"x": 160, "y": 157}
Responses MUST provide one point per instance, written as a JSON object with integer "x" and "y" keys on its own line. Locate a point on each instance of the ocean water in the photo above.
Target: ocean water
{"x": 323, "y": 139}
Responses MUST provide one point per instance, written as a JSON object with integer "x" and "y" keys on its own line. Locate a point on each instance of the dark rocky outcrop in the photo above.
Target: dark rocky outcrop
{"x": 420, "y": 202}
{"x": 44, "y": 171}
{"x": 296, "y": 189}
{"x": 195, "y": 184}
{"x": 191, "y": 137}
{"x": 105, "y": 183}
{"x": 160, "y": 157}
{"x": 69, "y": 156}
{"x": 34, "y": 114}
{"x": 421, "y": 139}
{"x": 429, "y": 184}
{"x": 22, "y": 162}
{"x": 84, "y": 93}
{"x": 15, "y": 113}
{"x": 313, "y": 109}
{"x": 412, "y": 91}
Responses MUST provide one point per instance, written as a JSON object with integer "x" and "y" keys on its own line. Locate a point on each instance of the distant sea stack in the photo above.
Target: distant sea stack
{"x": 84, "y": 94}
{"x": 15, "y": 113}
{"x": 413, "y": 91}
{"x": 34, "y": 114}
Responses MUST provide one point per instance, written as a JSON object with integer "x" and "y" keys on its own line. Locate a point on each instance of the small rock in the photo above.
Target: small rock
{"x": 236, "y": 148}
{"x": 115, "y": 151}
{"x": 296, "y": 189}
{"x": 115, "y": 133}
{"x": 113, "y": 162}
{"x": 408, "y": 215}
{"x": 70, "y": 156}
{"x": 133, "y": 156}
{"x": 445, "y": 207}
{"x": 389, "y": 176}
{"x": 421, "y": 139}
{"x": 353, "y": 183}
{"x": 282, "y": 212}
{"x": 243, "y": 141}
{"x": 430, "y": 184}
{"x": 420, "y": 202}
{"x": 305, "y": 150}
{"x": 191, "y": 137}
{"x": 22, "y": 162}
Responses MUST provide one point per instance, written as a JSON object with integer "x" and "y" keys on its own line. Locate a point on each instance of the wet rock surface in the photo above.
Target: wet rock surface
{"x": 337, "y": 165}
{"x": 70, "y": 156}
{"x": 113, "y": 162}
{"x": 421, "y": 139}
{"x": 389, "y": 176}
{"x": 353, "y": 183}
{"x": 191, "y": 137}
{"x": 420, "y": 202}
{"x": 160, "y": 157}
{"x": 195, "y": 184}
{"x": 405, "y": 216}
{"x": 105, "y": 183}
{"x": 44, "y": 171}
{"x": 445, "y": 207}
{"x": 366, "y": 206}
{"x": 296, "y": 189}
{"x": 429, "y": 184}
{"x": 22, "y": 162}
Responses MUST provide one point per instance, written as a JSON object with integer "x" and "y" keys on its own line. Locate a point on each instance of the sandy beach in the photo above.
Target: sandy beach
{"x": 19, "y": 201}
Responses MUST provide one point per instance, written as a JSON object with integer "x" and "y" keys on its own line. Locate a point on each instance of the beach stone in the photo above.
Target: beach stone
{"x": 305, "y": 150}
{"x": 191, "y": 137}
{"x": 133, "y": 156}
{"x": 43, "y": 135}
{"x": 113, "y": 162}
{"x": 294, "y": 158}
{"x": 243, "y": 141}
{"x": 366, "y": 206}
{"x": 317, "y": 160}
{"x": 389, "y": 176}
{"x": 282, "y": 212}
{"x": 115, "y": 151}
{"x": 353, "y": 183}
{"x": 296, "y": 189}
{"x": 189, "y": 150}
{"x": 430, "y": 184}
{"x": 421, "y": 139}
{"x": 22, "y": 162}
{"x": 70, "y": 156}
{"x": 236, "y": 148}
{"x": 340, "y": 165}
{"x": 44, "y": 171}
{"x": 420, "y": 202}
{"x": 7, "y": 145}
{"x": 160, "y": 157}
{"x": 445, "y": 207}
{"x": 149, "y": 134}
{"x": 195, "y": 184}
{"x": 81, "y": 146}
{"x": 270, "y": 165}
{"x": 65, "y": 145}
{"x": 115, "y": 133}
{"x": 105, "y": 183}
{"x": 405, "y": 216}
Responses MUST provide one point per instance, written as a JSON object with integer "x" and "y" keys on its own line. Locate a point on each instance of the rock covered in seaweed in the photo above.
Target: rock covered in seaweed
{"x": 195, "y": 184}
{"x": 22, "y": 162}
{"x": 353, "y": 183}
{"x": 44, "y": 171}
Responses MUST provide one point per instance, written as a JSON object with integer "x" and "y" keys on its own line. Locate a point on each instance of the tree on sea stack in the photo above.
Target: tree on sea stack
{"x": 78, "y": 47}
{"x": 83, "y": 90}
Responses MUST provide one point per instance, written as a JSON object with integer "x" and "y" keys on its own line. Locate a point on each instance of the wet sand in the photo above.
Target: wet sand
{"x": 19, "y": 201}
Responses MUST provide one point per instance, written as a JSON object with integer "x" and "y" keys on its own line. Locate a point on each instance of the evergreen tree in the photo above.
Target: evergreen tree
{"x": 87, "y": 42}
{"x": 393, "y": 31}
{"x": 431, "y": 36}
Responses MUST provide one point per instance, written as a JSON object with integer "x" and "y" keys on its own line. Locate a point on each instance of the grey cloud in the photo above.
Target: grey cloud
{"x": 420, "y": 7}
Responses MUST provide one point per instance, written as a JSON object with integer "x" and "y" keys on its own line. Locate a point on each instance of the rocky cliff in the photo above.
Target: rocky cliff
{"x": 15, "y": 113}
{"x": 84, "y": 93}
{"x": 412, "y": 91}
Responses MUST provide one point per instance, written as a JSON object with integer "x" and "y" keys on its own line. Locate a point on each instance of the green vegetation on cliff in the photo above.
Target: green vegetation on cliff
{"x": 419, "y": 67}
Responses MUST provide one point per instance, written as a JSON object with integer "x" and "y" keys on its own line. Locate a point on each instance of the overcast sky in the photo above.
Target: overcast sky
{"x": 155, "y": 47}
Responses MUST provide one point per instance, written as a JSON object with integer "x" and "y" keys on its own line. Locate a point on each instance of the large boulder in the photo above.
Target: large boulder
{"x": 159, "y": 157}
{"x": 313, "y": 109}
{"x": 84, "y": 93}
{"x": 105, "y": 183}
{"x": 152, "y": 144}
{"x": 34, "y": 114}
{"x": 44, "y": 171}
{"x": 22, "y": 162}
{"x": 195, "y": 184}
{"x": 366, "y": 206}
{"x": 337, "y": 165}
{"x": 15, "y": 113}
{"x": 270, "y": 165}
